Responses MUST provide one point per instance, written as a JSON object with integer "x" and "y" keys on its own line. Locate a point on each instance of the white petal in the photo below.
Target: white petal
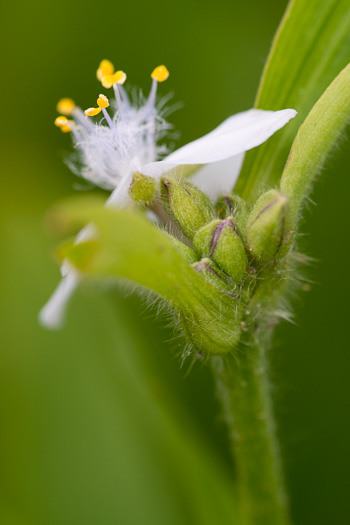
{"x": 121, "y": 194}
{"x": 235, "y": 135}
{"x": 218, "y": 177}
{"x": 52, "y": 314}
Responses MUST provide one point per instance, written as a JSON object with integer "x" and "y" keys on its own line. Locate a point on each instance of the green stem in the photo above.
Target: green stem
{"x": 244, "y": 390}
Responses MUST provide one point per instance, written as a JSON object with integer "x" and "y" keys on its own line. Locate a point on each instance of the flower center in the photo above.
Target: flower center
{"x": 109, "y": 152}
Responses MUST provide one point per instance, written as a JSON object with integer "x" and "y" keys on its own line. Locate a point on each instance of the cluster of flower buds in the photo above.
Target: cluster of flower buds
{"x": 225, "y": 241}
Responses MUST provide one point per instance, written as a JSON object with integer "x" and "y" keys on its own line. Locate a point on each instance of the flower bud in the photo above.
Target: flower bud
{"x": 211, "y": 273}
{"x": 220, "y": 241}
{"x": 233, "y": 206}
{"x": 267, "y": 226}
{"x": 189, "y": 206}
{"x": 142, "y": 188}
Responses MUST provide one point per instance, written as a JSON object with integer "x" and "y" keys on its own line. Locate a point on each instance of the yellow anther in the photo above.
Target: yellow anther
{"x": 118, "y": 77}
{"x": 64, "y": 124}
{"x": 65, "y": 106}
{"x": 61, "y": 121}
{"x": 66, "y": 128}
{"x": 91, "y": 112}
{"x": 160, "y": 73}
{"x": 105, "y": 68}
{"x": 102, "y": 101}
{"x": 107, "y": 81}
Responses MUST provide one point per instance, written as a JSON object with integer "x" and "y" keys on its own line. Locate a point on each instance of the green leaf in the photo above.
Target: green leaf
{"x": 315, "y": 139}
{"x": 130, "y": 247}
{"x": 311, "y": 47}
{"x": 104, "y": 412}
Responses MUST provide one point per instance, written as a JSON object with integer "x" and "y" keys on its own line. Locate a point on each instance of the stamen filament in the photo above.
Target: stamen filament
{"x": 124, "y": 96}
{"x": 150, "y": 106}
{"x": 75, "y": 131}
{"x": 159, "y": 74}
{"x": 117, "y": 96}
{"x": 108, "y": 118}
{"x": 80, "y": 118}
{"x": 122, "y": 99}
{"x": 152, "y": 99}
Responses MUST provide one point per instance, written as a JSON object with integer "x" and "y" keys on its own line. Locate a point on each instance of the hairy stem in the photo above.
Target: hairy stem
{"x": 244, "y": 391}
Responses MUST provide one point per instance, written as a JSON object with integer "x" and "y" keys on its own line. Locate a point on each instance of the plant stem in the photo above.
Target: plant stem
{"x": 244, "y": 390}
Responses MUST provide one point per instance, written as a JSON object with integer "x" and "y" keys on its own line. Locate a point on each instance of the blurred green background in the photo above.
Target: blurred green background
{"x": 99, "y": 422}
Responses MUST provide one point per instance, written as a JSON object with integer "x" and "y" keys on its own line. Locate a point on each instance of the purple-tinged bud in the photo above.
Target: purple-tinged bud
{"x": 233, "y": 206}
{"x": 212, "y": 273}
{"x": 220, "y": 241}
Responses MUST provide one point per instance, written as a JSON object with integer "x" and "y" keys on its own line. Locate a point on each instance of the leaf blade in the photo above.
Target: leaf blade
{"x": 311, "y": 46}
{"x": 315, "y": 139}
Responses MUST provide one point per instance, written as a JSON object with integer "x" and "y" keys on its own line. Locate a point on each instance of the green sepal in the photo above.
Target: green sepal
{"x": 186, "y": 204}
{"x": 220, "y": 241}
{"x": 142, "y": 188}
{"x": 268, "y": 227}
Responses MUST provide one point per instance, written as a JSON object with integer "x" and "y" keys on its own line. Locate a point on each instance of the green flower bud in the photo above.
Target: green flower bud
{"x": 142, "y": 188}
{"x": 267, "y": 226}
{"x": 186, "y": 204}
{"x": 220, "y": 241}
{"x": 211, "y": 273}
{"x": 233, "y": 206}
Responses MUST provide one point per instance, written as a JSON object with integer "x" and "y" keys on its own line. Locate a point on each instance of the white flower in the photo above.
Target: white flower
{"x": 108, "y": 155}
